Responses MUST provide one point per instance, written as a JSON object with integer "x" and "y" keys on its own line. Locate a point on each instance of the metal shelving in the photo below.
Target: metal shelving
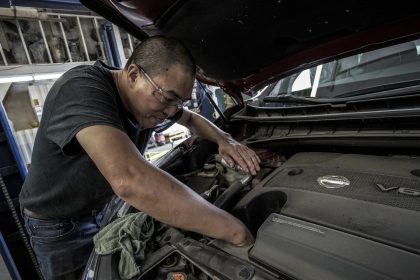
{"x": 58, "y": 38}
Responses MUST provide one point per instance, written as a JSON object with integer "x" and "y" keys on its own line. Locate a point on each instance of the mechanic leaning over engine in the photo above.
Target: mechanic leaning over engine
{"x": 85, "y": 152}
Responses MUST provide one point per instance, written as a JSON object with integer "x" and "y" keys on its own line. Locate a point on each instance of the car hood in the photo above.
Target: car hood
{"x": 241, "y": 45}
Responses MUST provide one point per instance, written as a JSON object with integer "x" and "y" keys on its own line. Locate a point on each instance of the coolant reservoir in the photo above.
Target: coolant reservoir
{"x": 229, "y": 174}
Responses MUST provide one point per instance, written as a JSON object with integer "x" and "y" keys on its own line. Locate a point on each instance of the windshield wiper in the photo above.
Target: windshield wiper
{"x": 297, "y": 99}
{"x": 364, "y": 94}
{"x": 380, "y": 89}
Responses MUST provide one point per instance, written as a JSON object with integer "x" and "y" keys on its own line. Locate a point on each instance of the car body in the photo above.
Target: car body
{"x": 160, "y": 138}
{"x": 175, "y": 132}
{"x": 333, "y": 110}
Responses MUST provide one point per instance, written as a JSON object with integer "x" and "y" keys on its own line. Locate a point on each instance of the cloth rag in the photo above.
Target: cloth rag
{"x": 128, "y": 234}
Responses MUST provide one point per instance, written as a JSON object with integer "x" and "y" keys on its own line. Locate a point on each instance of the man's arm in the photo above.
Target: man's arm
{"x": 231, "y": 150}
{"x": 154, "y": 191}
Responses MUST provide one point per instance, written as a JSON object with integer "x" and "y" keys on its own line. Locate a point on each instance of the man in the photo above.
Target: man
{"x": 85, "y": 152}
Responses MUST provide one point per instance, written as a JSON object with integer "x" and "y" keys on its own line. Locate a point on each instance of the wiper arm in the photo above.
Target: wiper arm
{"x": 297, "y": 99}
{"x": 363, "y": 94}
{"x": 379, "y": 88}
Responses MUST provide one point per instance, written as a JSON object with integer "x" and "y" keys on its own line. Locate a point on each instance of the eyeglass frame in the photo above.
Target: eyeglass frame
{"x": 176, "y": 101}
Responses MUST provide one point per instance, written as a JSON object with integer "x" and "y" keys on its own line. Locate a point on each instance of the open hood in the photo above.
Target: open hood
{"x": 334, "y": 117}
{"x": 242, "y": 44}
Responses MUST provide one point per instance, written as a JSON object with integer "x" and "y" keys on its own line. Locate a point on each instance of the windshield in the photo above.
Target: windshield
{"x": 363, "y": 73}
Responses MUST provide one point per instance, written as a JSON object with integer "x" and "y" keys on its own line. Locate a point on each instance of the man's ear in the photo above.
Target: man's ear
{"x": 132, "y": 74}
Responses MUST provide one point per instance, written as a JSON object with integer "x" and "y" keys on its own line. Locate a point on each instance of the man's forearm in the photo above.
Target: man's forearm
{"x": 166, "y": 199}
{"x": 152, "y": 190}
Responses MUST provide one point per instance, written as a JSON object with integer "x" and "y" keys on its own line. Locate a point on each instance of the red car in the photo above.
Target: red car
{"x": 160, "y": 139}
{"x": 333, "y": 109}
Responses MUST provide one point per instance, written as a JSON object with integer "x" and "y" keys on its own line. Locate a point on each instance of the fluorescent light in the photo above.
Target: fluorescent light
{"x": 38, "y": 77}
{"x": 16, "y": 79}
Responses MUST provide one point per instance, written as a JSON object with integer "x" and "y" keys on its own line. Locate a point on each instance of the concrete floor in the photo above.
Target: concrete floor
{"x": 4, "y": 273}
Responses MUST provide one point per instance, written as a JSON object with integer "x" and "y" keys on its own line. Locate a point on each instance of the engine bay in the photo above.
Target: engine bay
{"x": 315, "y": 215}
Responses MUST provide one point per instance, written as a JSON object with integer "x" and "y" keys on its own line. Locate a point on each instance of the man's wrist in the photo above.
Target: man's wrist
{"x": 239, "y": 234}
{"x": 223, "y": 138}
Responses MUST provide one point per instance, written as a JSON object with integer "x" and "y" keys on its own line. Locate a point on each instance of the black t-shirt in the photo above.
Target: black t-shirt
{"x": 63, "y": 181}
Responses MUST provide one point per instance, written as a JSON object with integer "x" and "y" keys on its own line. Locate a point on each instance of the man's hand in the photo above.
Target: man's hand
{"x": 231, "y": 150}
{"x": 234, "y": 152}
{"x": 245, "y": 239}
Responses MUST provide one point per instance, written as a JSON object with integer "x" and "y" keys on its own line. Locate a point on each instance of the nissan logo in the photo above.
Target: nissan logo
{"x": 333, "y": 181}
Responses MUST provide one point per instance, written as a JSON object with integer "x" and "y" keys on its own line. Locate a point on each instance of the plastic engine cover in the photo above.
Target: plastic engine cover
{"x": 305, "y": 250}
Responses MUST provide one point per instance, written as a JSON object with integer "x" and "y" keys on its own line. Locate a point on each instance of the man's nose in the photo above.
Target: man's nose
{"x": 169, "y": 111}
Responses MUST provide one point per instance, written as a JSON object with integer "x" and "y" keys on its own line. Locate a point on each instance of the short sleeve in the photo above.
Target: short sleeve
{"x": 77, "y": 104}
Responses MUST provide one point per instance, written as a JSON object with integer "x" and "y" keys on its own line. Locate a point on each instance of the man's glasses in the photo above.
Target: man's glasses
{"x": 166, "y": 98}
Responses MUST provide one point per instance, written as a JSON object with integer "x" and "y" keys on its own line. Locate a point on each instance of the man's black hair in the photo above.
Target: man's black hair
{"x": 156, "y": 54}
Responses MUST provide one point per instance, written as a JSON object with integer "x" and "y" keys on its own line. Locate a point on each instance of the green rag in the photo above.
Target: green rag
{"x": 128, "y": 234}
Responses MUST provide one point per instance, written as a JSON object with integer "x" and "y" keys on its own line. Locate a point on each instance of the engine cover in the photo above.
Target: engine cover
{"x": 305, "y": 250}
{"x": 384, "y": 180}
{"x": 356, "y": 199}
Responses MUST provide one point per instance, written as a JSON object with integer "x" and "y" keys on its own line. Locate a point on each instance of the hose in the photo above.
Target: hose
{"x": 20, "y": 227}
{"x": 224, "y": 199}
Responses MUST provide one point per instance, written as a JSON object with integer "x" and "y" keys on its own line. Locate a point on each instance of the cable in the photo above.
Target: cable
{"x": 20, "y": 227}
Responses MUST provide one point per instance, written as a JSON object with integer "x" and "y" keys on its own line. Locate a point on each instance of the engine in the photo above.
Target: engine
{"x": 316, "y": 215}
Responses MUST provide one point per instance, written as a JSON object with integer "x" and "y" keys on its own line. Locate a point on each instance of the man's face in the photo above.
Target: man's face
{"x": 156, "y": 98}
